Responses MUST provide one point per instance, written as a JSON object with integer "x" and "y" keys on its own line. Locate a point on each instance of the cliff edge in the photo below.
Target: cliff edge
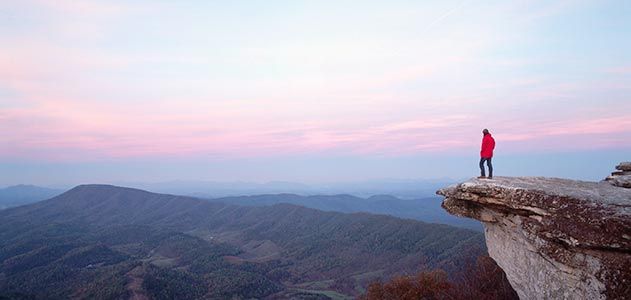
{"x": 554, "y": 238}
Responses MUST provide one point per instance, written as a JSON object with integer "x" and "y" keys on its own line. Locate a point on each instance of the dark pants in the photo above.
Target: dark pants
{"x": 488, "y": 163}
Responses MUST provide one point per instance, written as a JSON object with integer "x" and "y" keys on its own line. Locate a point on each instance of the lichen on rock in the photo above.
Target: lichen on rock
{"x": 554, "y": 238}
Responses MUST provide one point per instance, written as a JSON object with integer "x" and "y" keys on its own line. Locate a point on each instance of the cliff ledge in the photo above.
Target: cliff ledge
{"x": 554, "y": 238}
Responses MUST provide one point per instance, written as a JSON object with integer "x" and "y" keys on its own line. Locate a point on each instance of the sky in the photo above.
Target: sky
{"x": 311, "y": 91}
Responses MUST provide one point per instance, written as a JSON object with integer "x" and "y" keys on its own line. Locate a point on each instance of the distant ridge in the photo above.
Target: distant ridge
{"x": 402, "y": 188}
{"x": 426, "y": 209}
{"x": 24, "y": 194}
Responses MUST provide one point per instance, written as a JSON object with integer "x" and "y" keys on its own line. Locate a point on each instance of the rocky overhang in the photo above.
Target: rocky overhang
{"x": 555, "y": 238}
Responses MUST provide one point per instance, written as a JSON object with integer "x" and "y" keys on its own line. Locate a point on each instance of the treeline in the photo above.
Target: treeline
{"x": 483, "y": 279}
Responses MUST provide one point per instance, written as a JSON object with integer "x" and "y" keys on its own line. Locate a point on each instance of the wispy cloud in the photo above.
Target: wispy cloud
{"x": 620, "y": 70}
{"x": 97, "y": 79}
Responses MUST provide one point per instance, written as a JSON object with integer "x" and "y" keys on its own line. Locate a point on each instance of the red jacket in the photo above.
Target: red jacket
{"x": 488, "y": 144}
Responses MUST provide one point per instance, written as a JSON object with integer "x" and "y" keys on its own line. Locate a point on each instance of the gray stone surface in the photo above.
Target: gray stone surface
{"x": 554, "y": 238}
{"x": 621, "y": 181}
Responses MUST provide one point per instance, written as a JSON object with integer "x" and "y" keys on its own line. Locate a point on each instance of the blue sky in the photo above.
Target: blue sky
{"x": 102, "y": 91}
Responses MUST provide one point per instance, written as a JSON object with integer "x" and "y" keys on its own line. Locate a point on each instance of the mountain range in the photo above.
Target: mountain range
{"x": 400, "y": 188}
{"x": 24, "y": 194}
{"x": 101, "y": 241}
{"x": 426, "y": 209}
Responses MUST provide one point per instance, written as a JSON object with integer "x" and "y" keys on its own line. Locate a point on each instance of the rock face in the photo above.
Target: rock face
{"x": 554, "y": 238}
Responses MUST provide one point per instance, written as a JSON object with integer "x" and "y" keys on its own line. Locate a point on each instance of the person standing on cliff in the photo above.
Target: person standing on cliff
{"x": 486, "y": 154}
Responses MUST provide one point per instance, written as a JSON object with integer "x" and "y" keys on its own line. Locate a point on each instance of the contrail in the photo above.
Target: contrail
{"x": 445, "y": 15}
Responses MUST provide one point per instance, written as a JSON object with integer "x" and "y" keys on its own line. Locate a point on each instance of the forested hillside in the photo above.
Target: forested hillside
{"x": 105, "y": 241}
{"x": 425, "y": 209}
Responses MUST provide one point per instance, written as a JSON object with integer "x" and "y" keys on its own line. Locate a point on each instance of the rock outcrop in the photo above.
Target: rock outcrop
{"x": 554, "y": 238}
{"x": 622, "y": 176}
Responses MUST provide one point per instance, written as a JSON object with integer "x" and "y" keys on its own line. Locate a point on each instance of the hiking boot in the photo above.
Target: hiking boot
{"x": 490, "y": 177}
{"x": 481, "y": 177}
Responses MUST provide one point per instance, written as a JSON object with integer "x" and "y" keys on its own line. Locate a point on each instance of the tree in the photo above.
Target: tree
{"x": 482, "y": 280}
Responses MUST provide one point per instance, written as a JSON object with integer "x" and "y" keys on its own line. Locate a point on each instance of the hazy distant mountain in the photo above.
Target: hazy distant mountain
{"x": 24, "y": 194}
{"x": 426, "y": 209}
{"x": 406, "y": 189}
{"x": 98, "y": 241}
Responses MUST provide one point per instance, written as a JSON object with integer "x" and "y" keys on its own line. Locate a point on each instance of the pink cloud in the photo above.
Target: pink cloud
{"x": 67, "y": 104}
{"x": 89, "y": 8}
{"x": 621, "y": 70}
{"x": 102, "y": 130}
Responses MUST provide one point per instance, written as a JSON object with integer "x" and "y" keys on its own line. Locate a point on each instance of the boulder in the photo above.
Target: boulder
{"x": 622, "y": 177}
{"x": 624, "y": 166}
